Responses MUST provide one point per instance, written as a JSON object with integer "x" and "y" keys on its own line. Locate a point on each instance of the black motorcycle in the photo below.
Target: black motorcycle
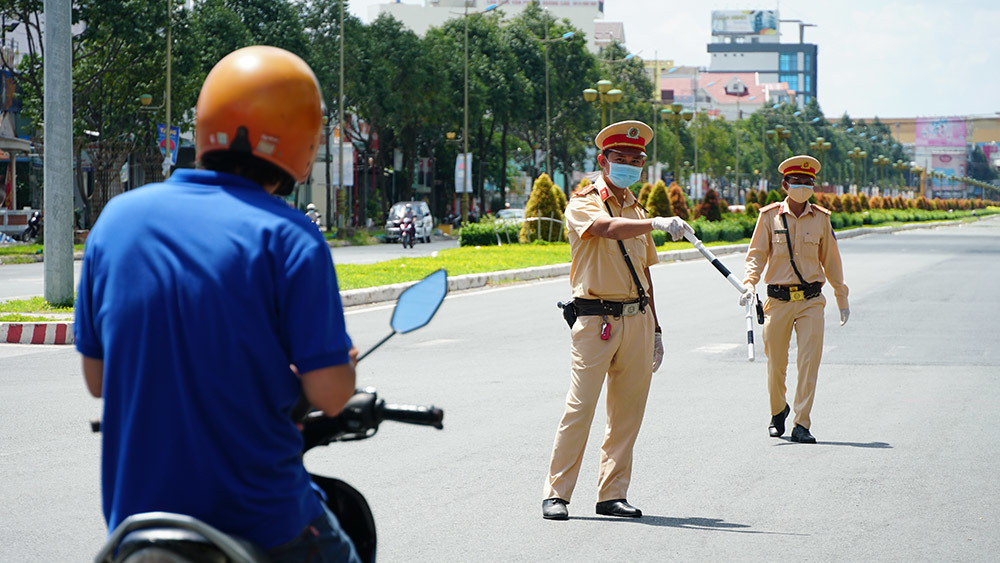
{"x": 163, "y": 536}
{"x": 34, "y": 227}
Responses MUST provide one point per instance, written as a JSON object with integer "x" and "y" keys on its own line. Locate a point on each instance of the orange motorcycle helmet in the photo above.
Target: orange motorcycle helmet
{"x": 263, "y": 101}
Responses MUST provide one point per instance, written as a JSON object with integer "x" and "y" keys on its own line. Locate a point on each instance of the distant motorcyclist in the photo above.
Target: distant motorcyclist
{"x": 312, "y": 214}
{"x": 33, "y": 229}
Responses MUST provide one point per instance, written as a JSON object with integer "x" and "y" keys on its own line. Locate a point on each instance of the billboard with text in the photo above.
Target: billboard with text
{"x": 744, "y": 22}
{"x": 940, "y": 132}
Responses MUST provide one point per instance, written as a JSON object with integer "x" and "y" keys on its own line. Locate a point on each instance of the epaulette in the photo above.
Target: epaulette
{"x": 821, "y": 209}
{"x": 769, "y": 207}
{"x": 584, "y": 190}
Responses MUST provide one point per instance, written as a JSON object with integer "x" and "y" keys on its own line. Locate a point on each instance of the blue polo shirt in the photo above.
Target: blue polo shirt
{"x": 198, "y": 293}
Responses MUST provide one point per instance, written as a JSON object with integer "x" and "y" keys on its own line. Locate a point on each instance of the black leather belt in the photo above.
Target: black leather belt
{"x": 799, "y": 292}
{"x": 612, "y": 308}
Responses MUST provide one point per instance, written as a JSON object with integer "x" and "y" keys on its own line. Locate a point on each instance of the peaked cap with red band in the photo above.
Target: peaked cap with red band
{"x": 632, "y": 134}
{"x": 801, "y": 164}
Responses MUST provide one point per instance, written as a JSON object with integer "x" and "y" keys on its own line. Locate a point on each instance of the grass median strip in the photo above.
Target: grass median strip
{"x": 460, "y": 261}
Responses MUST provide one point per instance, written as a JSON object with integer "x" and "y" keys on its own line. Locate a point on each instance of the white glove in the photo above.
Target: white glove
{"x": 674, "y": 226}
{"x": 657, "y": 350}
{"x": 844, "y": 314}
{"x": 747, "y": 295}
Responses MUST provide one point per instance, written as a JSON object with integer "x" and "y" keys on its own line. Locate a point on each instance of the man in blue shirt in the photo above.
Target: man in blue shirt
{"x": 197, "y": 321}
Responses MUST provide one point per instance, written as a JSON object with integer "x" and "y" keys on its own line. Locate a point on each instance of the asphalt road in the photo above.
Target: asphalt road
{"x": 904, "y": 414}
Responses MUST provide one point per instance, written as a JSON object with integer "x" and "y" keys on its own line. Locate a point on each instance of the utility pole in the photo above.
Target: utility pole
{"x": 341, "y": 193}
{"x": 168, "y": 157}
{"x": 58, "y": 164}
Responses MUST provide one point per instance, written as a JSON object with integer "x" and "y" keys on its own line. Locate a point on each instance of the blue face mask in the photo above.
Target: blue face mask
{"x": 623, "y": 175}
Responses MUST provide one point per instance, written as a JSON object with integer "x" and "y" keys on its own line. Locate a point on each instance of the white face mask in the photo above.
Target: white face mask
{"x": 800, "y": 193}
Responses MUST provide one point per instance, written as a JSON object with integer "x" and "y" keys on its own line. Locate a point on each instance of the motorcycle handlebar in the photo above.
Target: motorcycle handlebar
{"x": 414, "y": 414}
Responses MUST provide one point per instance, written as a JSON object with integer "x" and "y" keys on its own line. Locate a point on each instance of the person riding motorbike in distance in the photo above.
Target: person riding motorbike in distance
{"x": 202, "y": 342}
{"x": 312, "y": 214}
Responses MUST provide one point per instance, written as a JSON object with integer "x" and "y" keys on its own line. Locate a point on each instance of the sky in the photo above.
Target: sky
{"x": 915, "y": 58}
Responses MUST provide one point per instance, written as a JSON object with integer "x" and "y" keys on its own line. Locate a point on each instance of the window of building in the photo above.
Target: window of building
{"x": 791, "y": 79}
{"x": 807, "y": 82}
{"x": 788, "y": 61}
{"x": 807, "y": 62}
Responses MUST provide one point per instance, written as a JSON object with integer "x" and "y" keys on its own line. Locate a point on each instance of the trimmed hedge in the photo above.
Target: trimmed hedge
{"x": 487, "y": 231}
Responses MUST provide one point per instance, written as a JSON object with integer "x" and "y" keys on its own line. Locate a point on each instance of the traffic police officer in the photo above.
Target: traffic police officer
{"x": 616, "y": 335}
{"x": 796, "y": 241}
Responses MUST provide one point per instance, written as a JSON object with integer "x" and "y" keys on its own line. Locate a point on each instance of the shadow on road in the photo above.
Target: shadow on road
{"x": 876, "y": 445}
{"x": 690, "y": 523}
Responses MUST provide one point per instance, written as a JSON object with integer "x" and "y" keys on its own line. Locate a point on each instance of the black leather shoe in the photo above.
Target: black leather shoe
{"x": 777, "y": 427}
{"x": 555, "y": 509}
{"x": 801, "y": 434}
{"x": 618, "y": 507}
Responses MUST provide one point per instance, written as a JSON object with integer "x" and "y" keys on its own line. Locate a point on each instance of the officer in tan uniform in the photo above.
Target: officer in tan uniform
{"x": 795, "y": 240}
{"x": 616, "y": 335}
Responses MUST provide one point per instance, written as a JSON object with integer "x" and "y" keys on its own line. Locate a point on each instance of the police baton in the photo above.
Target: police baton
{"x": 732, "y": 279}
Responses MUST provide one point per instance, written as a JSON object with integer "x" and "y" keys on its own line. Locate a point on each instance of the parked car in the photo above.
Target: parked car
{"x": 422, "y": 218}
{"x": 511, "y": 214}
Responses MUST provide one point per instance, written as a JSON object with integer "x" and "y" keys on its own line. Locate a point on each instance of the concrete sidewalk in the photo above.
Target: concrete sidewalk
{"x": 61, "y": 331}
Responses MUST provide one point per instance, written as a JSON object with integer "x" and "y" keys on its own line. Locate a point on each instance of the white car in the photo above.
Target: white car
{"x": 422, "y": 218}
{"x": 511, "y": 214}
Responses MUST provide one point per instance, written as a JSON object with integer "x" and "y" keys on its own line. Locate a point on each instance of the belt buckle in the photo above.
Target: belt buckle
{"x": 796, "y": 294}
{"x": 629, "y": 309}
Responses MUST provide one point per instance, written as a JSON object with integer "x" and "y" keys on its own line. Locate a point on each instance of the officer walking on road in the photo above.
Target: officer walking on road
{"x": 616, "y": 335}
{"x": 796, "y": 241}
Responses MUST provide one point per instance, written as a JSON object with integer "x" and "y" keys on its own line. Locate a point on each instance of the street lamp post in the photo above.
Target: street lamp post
{"x": 465, "y": 108}
{"x": 899, "y": 166}
{"x": 607, "y": 95}
{"x": 917, "y": 179}
{"x": 880, "y": 162}
{"x": 820, "y": 146}
{"x": 777, "y": 135}
{"x": 548, "y": 120}
{"x": 675, "y": 115}
{"x": 858, "y": 156}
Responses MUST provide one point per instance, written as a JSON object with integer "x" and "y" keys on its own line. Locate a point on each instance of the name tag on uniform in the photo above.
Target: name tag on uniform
{"x": 780, "y": 231}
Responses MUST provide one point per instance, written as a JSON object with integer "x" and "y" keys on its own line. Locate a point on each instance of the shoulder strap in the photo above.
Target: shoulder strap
{"x": 621, "y": 246}
{"x": 791, "y": 255}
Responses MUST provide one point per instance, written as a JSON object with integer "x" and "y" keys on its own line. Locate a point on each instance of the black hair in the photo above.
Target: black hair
{"x": 239, "y": 160}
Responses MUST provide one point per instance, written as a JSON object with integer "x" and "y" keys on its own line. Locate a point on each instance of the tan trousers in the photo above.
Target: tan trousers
{"x": 807, "y": 319}
{"x": 626, "y": 360}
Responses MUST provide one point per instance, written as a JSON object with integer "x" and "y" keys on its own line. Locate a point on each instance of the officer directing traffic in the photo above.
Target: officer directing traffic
{"x": 615, "y": 333}
{"x": 795, "y": 239}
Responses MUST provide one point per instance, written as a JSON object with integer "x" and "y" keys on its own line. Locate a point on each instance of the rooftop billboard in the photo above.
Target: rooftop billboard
{"x": 744, "y": 22}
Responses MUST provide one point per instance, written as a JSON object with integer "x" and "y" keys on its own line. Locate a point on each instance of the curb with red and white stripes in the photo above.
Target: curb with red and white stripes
{"x": 36, "y": 333}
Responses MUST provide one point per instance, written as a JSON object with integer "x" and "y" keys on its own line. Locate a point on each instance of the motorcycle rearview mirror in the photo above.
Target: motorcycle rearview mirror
{"x": 416, "y": 306}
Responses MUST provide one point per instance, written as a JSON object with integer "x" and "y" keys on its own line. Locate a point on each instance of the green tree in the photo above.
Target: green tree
{"x": 659, "y": 204}
{"x": 979, "y": 166}
{"x": 678, "y": 202}
{"x": 709, "y": 208}
{"x": 548, "y": 223}
{"x": 560, "y": 196}
{"x": 644, "y": 193}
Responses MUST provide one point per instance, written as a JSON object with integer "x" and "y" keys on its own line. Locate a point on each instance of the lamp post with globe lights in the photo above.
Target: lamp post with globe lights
{"x": 606, "y": 96}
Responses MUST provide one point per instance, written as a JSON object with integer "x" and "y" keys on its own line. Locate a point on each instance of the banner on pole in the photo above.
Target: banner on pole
{"x": 463, "y": 180}
{"x": 175, "y": 137}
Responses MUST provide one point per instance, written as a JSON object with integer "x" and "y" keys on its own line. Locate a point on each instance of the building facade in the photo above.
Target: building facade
{"x": 748, "y": 41}
{"x": 585, "y": 15}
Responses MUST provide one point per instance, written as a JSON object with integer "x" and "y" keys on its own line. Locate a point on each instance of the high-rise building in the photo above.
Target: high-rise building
{"x": 748, "y": 41}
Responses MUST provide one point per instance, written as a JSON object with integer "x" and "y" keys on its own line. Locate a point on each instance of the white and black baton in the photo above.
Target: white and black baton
{"x": 732, "y": 279}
